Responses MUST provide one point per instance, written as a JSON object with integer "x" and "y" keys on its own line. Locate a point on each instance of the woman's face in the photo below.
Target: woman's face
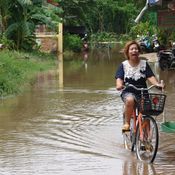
{"x": 133, "y": 52}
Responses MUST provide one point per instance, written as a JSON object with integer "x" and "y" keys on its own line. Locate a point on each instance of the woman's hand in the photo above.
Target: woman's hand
{"x": 161, "y": 85}
{"x": 119, "y": 88}
{"x": 119, "y": 84}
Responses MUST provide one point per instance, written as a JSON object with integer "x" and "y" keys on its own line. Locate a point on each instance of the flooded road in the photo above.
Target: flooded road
{"x": 75, "y": 127}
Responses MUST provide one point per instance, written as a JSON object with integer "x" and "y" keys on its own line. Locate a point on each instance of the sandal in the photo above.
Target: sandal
{"x": 126, "y": 127}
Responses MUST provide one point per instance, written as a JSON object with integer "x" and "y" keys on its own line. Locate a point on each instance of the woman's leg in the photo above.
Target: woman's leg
{"x": 129, "y": 107}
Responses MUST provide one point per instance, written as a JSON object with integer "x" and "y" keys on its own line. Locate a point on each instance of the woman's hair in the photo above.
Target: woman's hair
{"x": 126, "y": 48}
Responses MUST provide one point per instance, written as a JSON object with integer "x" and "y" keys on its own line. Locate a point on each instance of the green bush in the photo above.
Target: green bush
{"x": 143, "y": 28}
{"x": 72, "y": 43}
{"x": 103, "y": 36}
{"x": 166, "y": 36}
{"x": 9, "y": 44}
{"x": 124, "y": 37}
{"x": 96, "y": 38}
{"x": 18, "y": 70}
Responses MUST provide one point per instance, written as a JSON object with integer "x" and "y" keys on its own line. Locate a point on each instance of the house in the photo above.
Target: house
{"x": 166, "y": 15}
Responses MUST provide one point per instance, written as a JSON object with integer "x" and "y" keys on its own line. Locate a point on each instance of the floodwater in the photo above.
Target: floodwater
{"x": 69, "y": 123}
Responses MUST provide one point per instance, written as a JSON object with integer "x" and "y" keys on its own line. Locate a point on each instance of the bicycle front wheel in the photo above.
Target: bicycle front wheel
{"x": 147, "y": 139}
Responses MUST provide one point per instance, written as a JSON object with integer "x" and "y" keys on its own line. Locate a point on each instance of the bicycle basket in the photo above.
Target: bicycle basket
{"x": 151, "y": 104}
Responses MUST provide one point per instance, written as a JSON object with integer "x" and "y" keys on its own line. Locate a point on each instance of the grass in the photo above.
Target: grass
{"x": 18, "y": 70}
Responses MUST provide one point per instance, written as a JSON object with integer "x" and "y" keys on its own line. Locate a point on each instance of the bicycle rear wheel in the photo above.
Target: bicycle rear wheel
{"x": 146, "y": 147}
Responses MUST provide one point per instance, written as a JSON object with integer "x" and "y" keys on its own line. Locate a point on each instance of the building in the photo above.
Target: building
{"x": 166, "y": 15}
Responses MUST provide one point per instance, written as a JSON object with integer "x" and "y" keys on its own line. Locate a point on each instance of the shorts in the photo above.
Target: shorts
{"x": 127, "y": 94}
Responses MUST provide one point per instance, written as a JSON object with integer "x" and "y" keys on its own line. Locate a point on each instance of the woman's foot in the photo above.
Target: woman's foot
{"x": 126, "y": 127}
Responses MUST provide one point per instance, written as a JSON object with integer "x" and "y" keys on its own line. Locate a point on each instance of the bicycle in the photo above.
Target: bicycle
{"x": 143, "y": 135}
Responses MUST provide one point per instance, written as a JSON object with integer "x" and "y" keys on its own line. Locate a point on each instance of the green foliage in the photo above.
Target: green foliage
{"x": 9, "y": 44}
{"x": 100, "y": 15}
{"x": 152, "y": 16}
{"x": 103, "y": 36}
{"x": 19, "y": 18}
{"x": 72, "y": 43}
{"x": 166, "y": 36}
{"x": 124, "y": 37}
{"x": 142, "y": 28}
{"x": 172, "y": 35}
{"x": 18, "y": 69}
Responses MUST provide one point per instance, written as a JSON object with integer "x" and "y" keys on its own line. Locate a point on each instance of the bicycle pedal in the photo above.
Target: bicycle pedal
{"x": 143, "y": 148}
{"x": 149, "y": 147}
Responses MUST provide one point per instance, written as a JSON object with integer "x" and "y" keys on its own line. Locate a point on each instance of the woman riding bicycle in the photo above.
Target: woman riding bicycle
{"x": 133, "y": 71}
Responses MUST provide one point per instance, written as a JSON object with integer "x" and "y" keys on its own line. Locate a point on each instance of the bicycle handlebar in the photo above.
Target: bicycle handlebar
{"x": 139, "y": 89}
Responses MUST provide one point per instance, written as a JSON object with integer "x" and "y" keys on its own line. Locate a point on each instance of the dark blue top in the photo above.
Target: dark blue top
{"x": 134, "y": 75}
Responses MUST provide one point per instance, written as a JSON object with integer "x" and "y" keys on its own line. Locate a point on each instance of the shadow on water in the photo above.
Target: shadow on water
{"x": 70, "y": 123}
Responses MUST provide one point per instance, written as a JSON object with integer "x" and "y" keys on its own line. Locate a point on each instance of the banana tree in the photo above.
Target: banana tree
{"x": 24, "y": 15}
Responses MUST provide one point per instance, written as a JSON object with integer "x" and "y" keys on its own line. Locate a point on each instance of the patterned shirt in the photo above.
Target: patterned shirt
{"x": 134, "y": 75}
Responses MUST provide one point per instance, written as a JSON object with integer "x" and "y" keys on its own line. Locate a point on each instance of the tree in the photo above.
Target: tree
{"x": 100, "y": 15}
{"x": 23, "y": 16}
{"x": 4, "y": 14}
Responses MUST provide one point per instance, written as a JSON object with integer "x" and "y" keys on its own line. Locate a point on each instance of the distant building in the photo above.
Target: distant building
{"x": 166, "y": 16}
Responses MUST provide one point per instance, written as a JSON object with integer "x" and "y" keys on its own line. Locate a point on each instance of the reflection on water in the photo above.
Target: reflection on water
{"x": 74, "y": 126}
{"x": 139, "y": 168}
{"x": 60, "y": 70}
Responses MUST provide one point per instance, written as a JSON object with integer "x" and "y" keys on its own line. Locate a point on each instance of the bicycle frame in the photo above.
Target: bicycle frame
{"x": 138, "y": 121}
{"x": 137, "y": 117}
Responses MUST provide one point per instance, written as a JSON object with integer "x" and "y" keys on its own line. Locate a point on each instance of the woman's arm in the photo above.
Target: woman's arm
{"x": 119, "y": 84}
{"x": 154, "y": 81}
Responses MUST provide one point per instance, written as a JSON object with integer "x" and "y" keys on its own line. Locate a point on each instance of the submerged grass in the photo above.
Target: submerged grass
{"x": 18, "y": 70}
